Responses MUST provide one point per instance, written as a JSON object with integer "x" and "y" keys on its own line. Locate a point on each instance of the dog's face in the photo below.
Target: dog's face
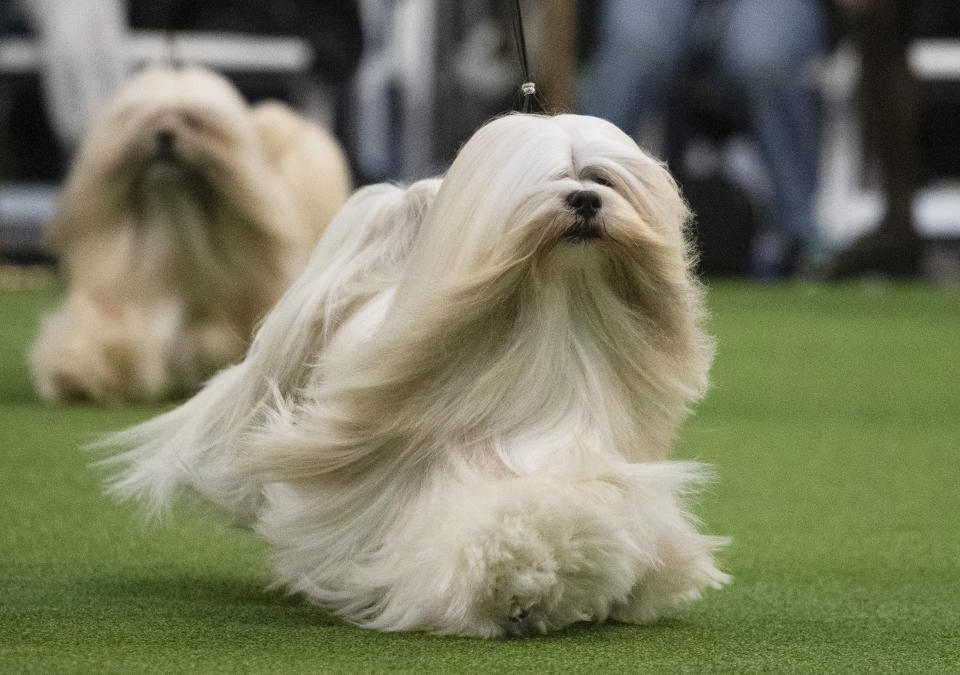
{"x": 167, "y": 124}
{"x": 566, "y": 187}
{"x": 172, "y": 193}
{"x": 569, "y": 198}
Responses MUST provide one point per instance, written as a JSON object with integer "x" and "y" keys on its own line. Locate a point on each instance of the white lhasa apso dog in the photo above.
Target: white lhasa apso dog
{"x": 458, "y": 419}
{"x": 185, "y": 216}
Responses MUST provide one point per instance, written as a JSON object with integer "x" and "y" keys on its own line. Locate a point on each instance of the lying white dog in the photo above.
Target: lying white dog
{"x": 458, "y": 419}
{"x": 185, "y": 217}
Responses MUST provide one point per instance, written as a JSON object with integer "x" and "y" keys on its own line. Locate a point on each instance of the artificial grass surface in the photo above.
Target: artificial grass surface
{"x": 834, "y": 426}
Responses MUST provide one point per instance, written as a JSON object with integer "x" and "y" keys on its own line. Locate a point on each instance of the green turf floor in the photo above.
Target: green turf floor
{"x": 833, "y": 423}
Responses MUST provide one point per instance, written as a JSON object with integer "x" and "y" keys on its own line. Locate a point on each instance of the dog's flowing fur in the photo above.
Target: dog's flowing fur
{"x": 458, "y": 419}
{"x": 172, "y": 251}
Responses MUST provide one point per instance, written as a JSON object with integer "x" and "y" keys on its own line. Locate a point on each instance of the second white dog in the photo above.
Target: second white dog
{"x": 186, "y": 215}
{"x": 459, "y": 418}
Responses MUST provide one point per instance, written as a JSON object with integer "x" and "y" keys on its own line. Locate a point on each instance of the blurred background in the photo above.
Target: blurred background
{"x": 813, "y": 138}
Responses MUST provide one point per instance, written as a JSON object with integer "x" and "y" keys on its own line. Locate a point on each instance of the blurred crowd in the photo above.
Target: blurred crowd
{"x": 729, "y": 92}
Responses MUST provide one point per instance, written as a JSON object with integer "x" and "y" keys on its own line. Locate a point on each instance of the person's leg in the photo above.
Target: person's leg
{"x": 889, "y": 104}
{"x": 640, "y": 45}
{"x": 765, "y": 49}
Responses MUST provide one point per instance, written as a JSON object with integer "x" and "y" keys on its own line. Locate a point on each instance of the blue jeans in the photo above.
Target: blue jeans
{"x": 760, "y": 49}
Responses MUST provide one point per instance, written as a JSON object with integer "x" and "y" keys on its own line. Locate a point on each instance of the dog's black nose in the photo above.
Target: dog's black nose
{"x": 165, "y": 140}
{"x": 585, "y": 202}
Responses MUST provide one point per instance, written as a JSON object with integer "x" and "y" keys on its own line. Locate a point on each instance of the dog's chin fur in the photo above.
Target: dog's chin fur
{"x": 459, "y": 418}
{"x": 172, "y": 254}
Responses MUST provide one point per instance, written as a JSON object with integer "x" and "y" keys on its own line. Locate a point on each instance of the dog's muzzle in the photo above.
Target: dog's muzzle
{"x": 165, "y": 146}
{"x": 586, "y": 204}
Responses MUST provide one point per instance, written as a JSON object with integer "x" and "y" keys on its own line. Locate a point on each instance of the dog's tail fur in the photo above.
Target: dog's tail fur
{"x": 197, "y": 445}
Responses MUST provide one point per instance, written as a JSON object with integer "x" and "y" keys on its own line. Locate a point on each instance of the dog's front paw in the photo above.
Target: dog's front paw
{"x": 687, "y": 568}
{"x": 521, "y": 580}
{"x": 541, "y": 564}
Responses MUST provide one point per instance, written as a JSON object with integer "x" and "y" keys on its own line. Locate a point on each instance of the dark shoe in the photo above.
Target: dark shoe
{"x": 773, "y": 259}
{"x": 887, "y": 251}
